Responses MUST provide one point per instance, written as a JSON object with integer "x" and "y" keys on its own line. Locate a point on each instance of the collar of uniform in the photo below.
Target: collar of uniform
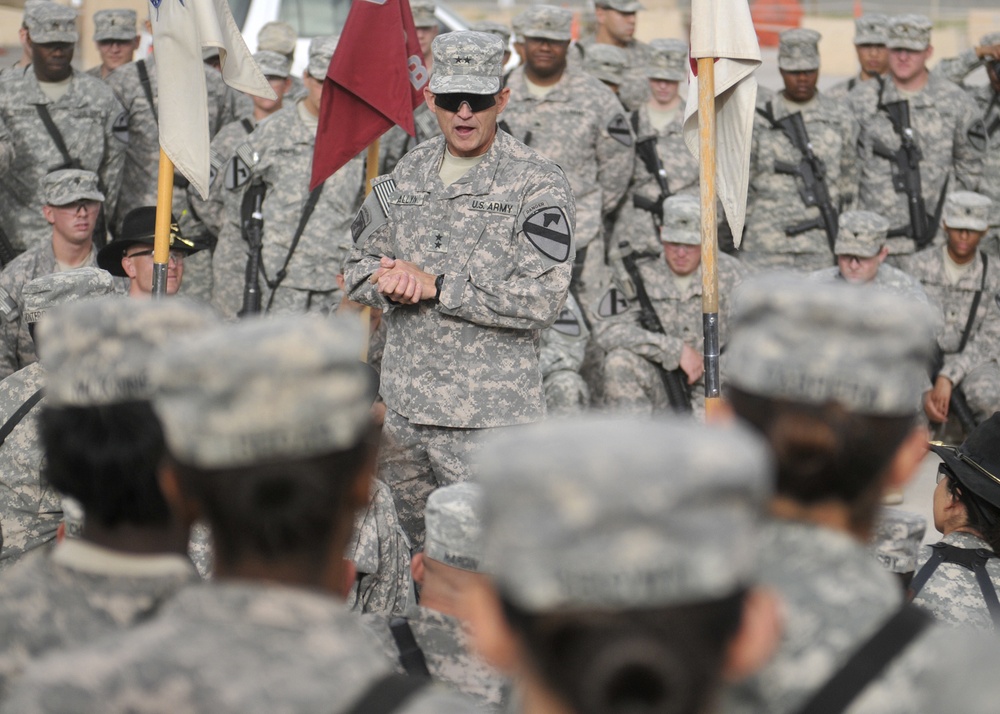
{"x": 478, "y": 180}
{"x": 35, "y": 95}
{"x": 966, "y": 540}
{"x": 88, "y": 557}
{"x": 559, "y": 93}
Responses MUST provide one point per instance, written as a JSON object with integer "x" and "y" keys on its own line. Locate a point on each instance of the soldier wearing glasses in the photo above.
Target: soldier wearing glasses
{"x": 467, "y": 246}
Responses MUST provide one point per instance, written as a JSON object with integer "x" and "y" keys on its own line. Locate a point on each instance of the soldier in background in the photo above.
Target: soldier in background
{"x": 940, "y": 116}
{"x": 30, "y": 510}
{"x": 57, "y": 118}
{"x": 271, "y": 632}
{"x": 130, "y": 557}
{"x": 870, "y": 32}
{"x": 963, "y": 280}
{"x": 430, "y": 638}
{"x": 620, "y": 555}
{"x": 72, "y": 204}
{"x": 607, "y": 63}
{"x": 616, "y": 20}
{"x": 280, "y": 37}
{"x": 637, "y": 355}
{"x": 469, "y": 258}
{"x": 803, "y": 166}
{"x": 561, "y": 355}
{"x": 117, "y": 40}
{"x": 495, "y": 28}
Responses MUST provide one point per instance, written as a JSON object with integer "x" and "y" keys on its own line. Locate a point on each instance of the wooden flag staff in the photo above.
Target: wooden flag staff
{"x": 709, "y": 234}
{"x": 161, "y": 239}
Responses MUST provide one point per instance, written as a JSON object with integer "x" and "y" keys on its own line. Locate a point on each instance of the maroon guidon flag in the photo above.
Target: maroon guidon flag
{"x": 375, "y": 80}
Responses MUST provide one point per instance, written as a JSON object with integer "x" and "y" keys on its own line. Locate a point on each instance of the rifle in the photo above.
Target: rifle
{"x": 253, "y": 232}
{"x": 674, "y": 380}
{"x": 813, "y": 189}
{"x": 906, "y": 174}
{"x": 646, "y": 151}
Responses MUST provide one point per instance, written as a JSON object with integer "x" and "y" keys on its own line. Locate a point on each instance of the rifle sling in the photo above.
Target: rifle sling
{"x": 147, "y": 88}
{"x": 53, "y": 130}
{"x": 967, "y": 331}
{"x": 307, "y": 212}
{"x": 410, "y": 654}
{"x": 974, "y": 559}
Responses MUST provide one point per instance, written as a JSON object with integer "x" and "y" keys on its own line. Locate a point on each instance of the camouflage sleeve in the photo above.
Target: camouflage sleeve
{"x": 113, "y": 162}
{"x": 617, "y": 326}
{"x": 372, "y": 240}
{"x": 983, "y": 345}
{"x": 958, "y": 68}
{"x": 10, "y": 321}
{"x": 847, "y": 185}
{"x": 564, "y": 343}
{"x": 531, "y": 296}
{"x": 6, "y": 148}
{"x": 615, "y": 154}
{"x": 968, "y": 160}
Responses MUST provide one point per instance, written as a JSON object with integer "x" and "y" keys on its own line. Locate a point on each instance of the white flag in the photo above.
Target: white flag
{"x": 181, "y": 28}
{"x": 723, "y": 29}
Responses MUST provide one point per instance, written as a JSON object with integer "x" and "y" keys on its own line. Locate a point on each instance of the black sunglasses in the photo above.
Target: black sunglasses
{"x": 452, "y": 102}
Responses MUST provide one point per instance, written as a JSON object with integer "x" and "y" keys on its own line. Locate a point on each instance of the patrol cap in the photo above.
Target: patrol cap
{"x": 546, "y": 22}
{"x": 621, "y": 5}
{"x": 454, "y": 528}
{"x": 871, "y": 29}
{"x": 423, "y": 13}
{"x": 98, "y": 351}
{"x": 798, "y": 50}
{"x": 860, "y": 233}
{"x": 603, "y": 513}
{"x": 118, "y": 24}
{"x": 264, "y": 390}
{"x": 139, "y": 227}
{"x": 42, "y": 294}
{"x": 63, "y": 187}
{"x": 976, "y": 463}
{"x": 968, "y": 210}
{"x": 813, "y": 343}
{"x": 469, "y": 62}
{"x": 606, "y": 62}
{"x": 668, "y": 60}
{"x": 277, "y": 36}
{"x": 272, "y": 64}
{"x": 909, "y": 32}
{"x": 897, "y": 540}
{"x": 681, "y": 220}
{"x": 320, "y": 53}
{"x": 50, "y": 22}
{"x": 493, "y": 28}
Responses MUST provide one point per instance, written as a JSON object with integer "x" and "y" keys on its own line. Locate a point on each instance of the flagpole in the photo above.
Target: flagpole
{"x": 161, "y": 239}
{"x": 371, "y": 173}
{"x": 709, "y": 234}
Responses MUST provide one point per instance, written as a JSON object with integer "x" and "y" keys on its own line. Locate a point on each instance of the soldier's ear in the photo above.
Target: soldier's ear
{"x": 417, "y": 568}
{"x": 502, "y": 98}
{"x": 49, "y": 214}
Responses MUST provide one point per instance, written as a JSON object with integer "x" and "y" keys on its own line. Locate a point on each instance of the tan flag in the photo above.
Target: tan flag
{"x": 181, "y": 29}
{"x": 723, "y": 29}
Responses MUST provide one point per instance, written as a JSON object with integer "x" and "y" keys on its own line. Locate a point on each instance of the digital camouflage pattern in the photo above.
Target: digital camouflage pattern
{"x": 811, "y": 343}
{"x": 606, "y": 62}
{"x": 224, "y": 647}
{"x": 888, "y": 279}
{"x": 50, "y": 22}
{"x": 908, "y": 32}
{"x": 115, "y": 24}
{"x": 560, "y": 534}
{"x": 944, "y": 121}
{"x": 75, "y": 594}
{"x": 635, "y": 356}
{"x": 977, "y": 362}
{"x": 633, "y": 90}
{"x": 835, "y": 596}
{"x": 798, "y": 50}
{"x": 454, "y": 531}
{"x": 952, "y": 594}
{"x": 381, "y": 553}
{"x": 860, "y": 233}
{"x": 284, "y": 144}
{"x": 774, "y": 203}
{"x": 30, "y": 511}
{"x": 89, "y": 118}
{"x": 63, "y": 187}
{"x": 897, "y": 539}
{"x": 562, "y": 350}
{"x": 448, "y": 654}
{"x": 469, "y": 62}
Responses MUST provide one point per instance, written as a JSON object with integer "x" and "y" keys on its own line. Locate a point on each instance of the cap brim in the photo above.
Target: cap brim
{"x": 120, "y": 37}
{"x": 465, "y": 84}
{"x": 968, "y": 476}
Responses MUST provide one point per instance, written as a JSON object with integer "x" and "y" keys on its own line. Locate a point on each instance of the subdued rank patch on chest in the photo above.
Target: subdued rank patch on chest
{"x": 237, "y": 173}
{"x": 549, "y": 231}
{"x": 567, "y": 323}
{"x": 439, "y": 242}
{"x": 619, "y": 130}
{"x": 120, "y": 127}
{"x": 492, "y": 206}
{"x": 613, "y": 303}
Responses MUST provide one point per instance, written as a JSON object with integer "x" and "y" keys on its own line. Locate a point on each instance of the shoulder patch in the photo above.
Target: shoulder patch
{"x": 374, "y": 211}
{"x": 237, "y": 173}
{"x": 567, "y": 323}
{"x": 613, "y": 303}
{"x": 120, "y": 127}
{"x": 548, "y": 230}
{"x": 619, "y": 130}
{"x": 978, "y": 135}
{"x": 8, "y": 307}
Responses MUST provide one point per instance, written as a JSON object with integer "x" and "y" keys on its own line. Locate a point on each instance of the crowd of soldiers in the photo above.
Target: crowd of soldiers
{"x": 444, "y": 453}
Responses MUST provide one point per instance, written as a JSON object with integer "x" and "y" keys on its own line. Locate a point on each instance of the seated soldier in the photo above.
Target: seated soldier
{"x": 130, "y": 254}
{"x": 620, "y": 554}
{"x": 104, "y": 448}
{"x": 959, "y": 276}
{"x": 429, "y": 639}
{"x": 644, "y": 342}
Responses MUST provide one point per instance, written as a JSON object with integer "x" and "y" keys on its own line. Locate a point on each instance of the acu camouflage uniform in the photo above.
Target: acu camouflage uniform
{"x": 381, "y": 553}
{"x": 561, "y": 355}
{"x": 237, "y": 647}
{"x": 633, "y": 90}
{"x": 118, "y": 24}
{"x": 952, "y": 593}
{"x": 75, "y": 594}
{"x": 502, "y": 236}
{"x": 869, "y": 29}
{"x": 91, "y": 122}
